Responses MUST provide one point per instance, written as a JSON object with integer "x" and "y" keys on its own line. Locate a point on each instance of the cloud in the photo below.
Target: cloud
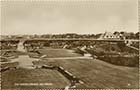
{"x": 47, "y": 17}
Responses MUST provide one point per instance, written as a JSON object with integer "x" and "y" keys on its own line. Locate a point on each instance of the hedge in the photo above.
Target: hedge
{"x": 121, "y": 60}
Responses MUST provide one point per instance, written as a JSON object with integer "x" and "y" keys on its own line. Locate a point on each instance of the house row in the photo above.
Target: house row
{"x": 109, "y": 35}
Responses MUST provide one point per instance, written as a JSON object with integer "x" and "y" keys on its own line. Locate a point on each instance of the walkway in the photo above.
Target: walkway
{"x": 59, "y": 58}
{"x": 133, "y": 47}
{"x": 25, "y": 61}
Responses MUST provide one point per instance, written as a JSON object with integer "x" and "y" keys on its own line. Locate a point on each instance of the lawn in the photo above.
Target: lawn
{"x": 99, "y": 74}
{"x": 50, "y": 79}
{"x": 94, "y": 73}
{"x": 58, "y": 53}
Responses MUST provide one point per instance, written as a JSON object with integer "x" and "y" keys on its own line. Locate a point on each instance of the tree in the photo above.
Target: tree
{"x": 98, "y": 35}
{"x": 132, "y": 35}
{"x": 137, "y": 35}
{"x": 121, "y": 46}
{"x": 116, "y": 32}
{"x": 122, "y": 32}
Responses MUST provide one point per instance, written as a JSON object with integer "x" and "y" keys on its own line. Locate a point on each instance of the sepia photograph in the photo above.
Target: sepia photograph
{"x": 69, "y": 44}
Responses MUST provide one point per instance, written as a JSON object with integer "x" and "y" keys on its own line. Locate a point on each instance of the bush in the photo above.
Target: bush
{"x": 79, "y": 51}
{"x": 101, "y": 52}
{"x": 121, "y": 46}
{"x": 121, "y": 60}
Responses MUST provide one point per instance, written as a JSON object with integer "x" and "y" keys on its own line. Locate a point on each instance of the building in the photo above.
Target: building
{"x": 109, "y": 35}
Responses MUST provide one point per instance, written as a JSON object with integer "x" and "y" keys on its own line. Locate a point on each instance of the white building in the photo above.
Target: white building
{"x": 109, "y": 35}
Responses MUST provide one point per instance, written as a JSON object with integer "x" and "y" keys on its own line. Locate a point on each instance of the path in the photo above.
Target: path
{"x": 20, "y": 46}
{"x": 133, "y": 47}
{"x": 59, "y": 58}
{"x": 25, "y": 61}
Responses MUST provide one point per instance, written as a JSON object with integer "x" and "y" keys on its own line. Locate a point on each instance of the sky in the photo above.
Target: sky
{"x": 55, "y": 17}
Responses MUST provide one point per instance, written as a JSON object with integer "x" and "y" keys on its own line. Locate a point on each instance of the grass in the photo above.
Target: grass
{"x": 98, "y": 74}
{"x": 11, "y": 65}
{"x": 58, "y": 53}
{"x": 94, "y": 73}
{"x": 11, "y": 77}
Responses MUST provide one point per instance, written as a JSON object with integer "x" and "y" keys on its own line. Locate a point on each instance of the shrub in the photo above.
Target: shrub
{"x": 121, "y": 60}
{"x": 79, "y": 51}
